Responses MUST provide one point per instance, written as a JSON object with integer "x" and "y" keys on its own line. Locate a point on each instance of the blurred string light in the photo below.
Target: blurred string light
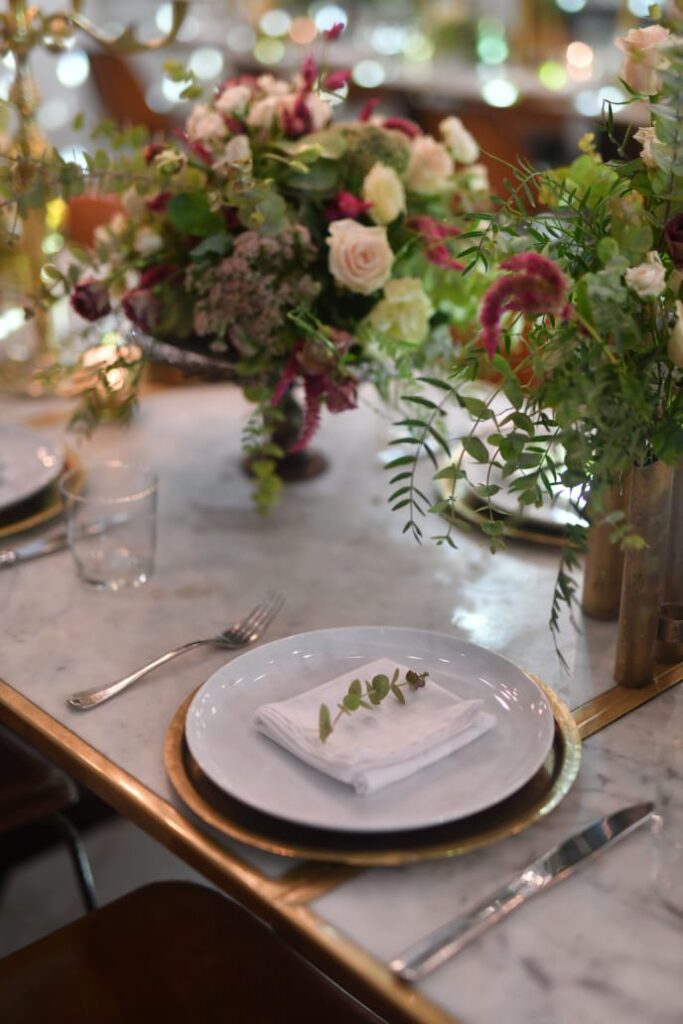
{"x": 368, "y": 74}
{"x": 54, "y": 113}
{"x": 589, "y": 102}
{"x": 417, "y": 47}
{"x": 72, "y": 68}
{"x": 326, "y": 15}
{"x": 552, "y": 75}
{"x": 571, "y": 6}
{"x": 303, "y": 31}
{"x": 269, "y": 51}
{"x": 188, "y": 30}
{"x": 579, "y": 61}
{"x": 492, "y": 47}
{"x": 171, "y": 90}
{"x": 641, "y": 8}
{"x": 206, "y": 62}
{"x": 389, "y": 40}
{"x": 500, "y": 92}
{"x": 275, "y": 23}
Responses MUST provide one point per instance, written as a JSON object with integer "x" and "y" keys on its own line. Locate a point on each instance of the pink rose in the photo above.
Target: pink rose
{"x": 90, "y": 299}
{"x": 430, "y": 167}
{"x": 644, "y": 58}
{"x": 360, "y": 258}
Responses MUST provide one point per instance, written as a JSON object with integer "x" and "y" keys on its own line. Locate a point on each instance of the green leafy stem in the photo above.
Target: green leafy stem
{"x": 369, "y": 695}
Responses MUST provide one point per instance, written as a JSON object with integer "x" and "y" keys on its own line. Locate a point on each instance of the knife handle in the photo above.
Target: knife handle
{"x": 439, "y": 946}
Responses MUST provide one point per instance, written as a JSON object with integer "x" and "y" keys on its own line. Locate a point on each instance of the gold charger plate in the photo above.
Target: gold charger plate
{"x": 238, "y": 821}
{"x": 39, "y": 509}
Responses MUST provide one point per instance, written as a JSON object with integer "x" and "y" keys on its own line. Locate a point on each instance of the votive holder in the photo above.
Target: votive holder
{"x": 111, "y": 523}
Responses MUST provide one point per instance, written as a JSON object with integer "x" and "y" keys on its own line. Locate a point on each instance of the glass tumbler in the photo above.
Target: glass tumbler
{"x": 668, "y": 825}
{"x": 111, "y": 523}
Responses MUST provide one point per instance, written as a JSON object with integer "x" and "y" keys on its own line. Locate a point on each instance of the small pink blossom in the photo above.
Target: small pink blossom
{"x": 432, "y": 229}
{"x": 345, "y": 204}
{"x": 535, "y": 286}
{"x": 333, "y": 33}
{"x": 368, "y": 110}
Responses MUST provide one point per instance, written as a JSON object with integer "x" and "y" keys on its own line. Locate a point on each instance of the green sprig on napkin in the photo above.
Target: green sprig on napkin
{"x": 376, "y": 690}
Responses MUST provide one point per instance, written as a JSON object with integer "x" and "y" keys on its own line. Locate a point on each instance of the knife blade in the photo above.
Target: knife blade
{"x": 436, "y": 948}
{"x": 33, "y": 549}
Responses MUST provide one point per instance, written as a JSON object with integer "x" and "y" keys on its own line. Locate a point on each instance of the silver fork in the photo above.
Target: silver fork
{"x": 242, "y": 633}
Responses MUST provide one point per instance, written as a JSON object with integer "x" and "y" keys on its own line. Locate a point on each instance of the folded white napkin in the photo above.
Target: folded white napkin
{"x": 371, "y": 749}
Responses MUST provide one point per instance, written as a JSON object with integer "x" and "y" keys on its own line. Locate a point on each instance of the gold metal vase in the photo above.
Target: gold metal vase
{"x": 649, "y": 490}
{"x": 604, "y": 563}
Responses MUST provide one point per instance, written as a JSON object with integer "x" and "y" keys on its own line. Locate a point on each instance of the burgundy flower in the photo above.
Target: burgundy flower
{"x": 143, "y": 308}
{"x": 333, "y": 33}
{"x": 439, "y": 255}
{"x": 368, "y": 110}
{"x": 233, "y": 124}
{"x": 90, "y": 299}
{"x": 402, "y": 124}
{"x": 156, "y": 274}
{"x": 345, "y": 204}
{"x": 151, "y": 150}
{"x": 673, "y": 239}
{"x": 159, "y": 202}
{"x": 297, "y": 120}
{"x": 337, "y": 80}
{"x": 535, "y": 286}
{"x": 434, "y": 234}
{"x": 309, "y": 73}
{"x": 342, "y": 395}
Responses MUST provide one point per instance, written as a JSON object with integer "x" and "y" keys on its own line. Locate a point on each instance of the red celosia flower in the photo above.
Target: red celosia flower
{"x": 159, "y": 202}
{"x": 309, "y": 73}
{"x": 330, "y": 34}
{"x": 368, "y": 110}
{"x": 297, "y": 120}
{"x": 438, "y": 254}
{"x": 402, "y": 124}
{"x": 434, "y": 233}
{"x": 535, "y": 286}
{"x": 337, "y": 80}
{"x": 345, "y": 204}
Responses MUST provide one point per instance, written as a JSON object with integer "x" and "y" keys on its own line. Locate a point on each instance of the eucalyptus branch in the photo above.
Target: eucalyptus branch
{"x": 369, "y": 695}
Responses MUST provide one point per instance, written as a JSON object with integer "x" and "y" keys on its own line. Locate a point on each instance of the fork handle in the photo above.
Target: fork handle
{"x": 86, "y": 699}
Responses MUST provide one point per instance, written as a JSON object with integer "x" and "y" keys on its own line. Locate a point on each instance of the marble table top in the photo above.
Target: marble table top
{"x": 600, "y": 947}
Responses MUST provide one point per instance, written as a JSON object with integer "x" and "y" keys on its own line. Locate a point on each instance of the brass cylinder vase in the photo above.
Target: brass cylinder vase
{"x": 673, "y": 584}
{"x": 604, "y": 563}
{"x": 648, "y": 511}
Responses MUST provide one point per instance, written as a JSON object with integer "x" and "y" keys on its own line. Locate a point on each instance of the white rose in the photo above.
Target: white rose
{"x": 319, "y": 109}
{"x": 133, "y": 203}
{"x": 462, "y": 144}
{"x": 644, "y": 57}
{"x": 147, "y": 241}
{"x": 430, "y": 166}
{"x": 404, "y": 311}
{"x": 238, "y": 150}
{"x": 646, "y": 136}
{"x": 233, "y": 100}
{"x": 384, "y": 189}
{"x": 476, "y": 178}
{"x": 360, "y": 258}
{"x": 648, "y": 279}
{"x": 265, "y": 112}
{"x": 204, "y": 125}
{"x": 675, "y": 347}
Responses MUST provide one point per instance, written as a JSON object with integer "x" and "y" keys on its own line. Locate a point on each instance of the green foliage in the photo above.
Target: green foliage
{"x": 369, "y": 695}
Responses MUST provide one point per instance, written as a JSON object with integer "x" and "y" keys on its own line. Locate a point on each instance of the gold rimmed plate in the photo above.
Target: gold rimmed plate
{"x": 536, "y": 798}
{"x": 39, "y": 509}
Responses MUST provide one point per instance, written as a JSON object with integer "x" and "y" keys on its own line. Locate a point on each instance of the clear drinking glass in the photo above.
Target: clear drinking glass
{"x": 668, "y": 825}
{"x": 111, "y": 523}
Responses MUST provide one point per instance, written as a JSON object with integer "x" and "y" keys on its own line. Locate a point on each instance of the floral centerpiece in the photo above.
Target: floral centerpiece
{"x": 293, "y": 250}
{"x": 589, "y": 270}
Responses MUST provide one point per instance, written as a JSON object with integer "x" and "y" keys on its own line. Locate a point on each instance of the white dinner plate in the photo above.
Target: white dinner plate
{"x": 223, "y": 740}
{"x": 29, "y": 462}
{"x": 554, "y": 513}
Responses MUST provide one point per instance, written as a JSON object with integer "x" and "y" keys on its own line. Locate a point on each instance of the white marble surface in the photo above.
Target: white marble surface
{"x": 598, "y": 944}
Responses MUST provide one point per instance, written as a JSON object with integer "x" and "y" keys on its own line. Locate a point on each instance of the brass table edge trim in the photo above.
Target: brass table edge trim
{"x": 618, "y": 701}
{"x": 363, "y": 974}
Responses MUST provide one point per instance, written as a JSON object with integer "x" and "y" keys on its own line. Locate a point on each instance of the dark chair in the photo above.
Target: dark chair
{"x": 172, "y": 951}
{"x": 32, "y": 791}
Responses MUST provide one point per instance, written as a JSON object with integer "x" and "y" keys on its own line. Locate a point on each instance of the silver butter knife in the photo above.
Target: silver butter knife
{"x": 561, "y": 862}
{"x": 32, "y": 549}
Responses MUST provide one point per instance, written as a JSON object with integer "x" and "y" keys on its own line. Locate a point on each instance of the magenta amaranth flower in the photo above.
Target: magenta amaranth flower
{"x": 402, "y": 124}
{"x": 337, "y": 80}
{"x": 434, "y": 234}
{"x": 438, "y": 254}
{"x": 90, "y": 299}
{"x": 297, "y": 120}
{"x": 673, "y": 239}
{"x": 345, "y": 204}
{"x": 535, "y": 286}
{"x": 309, "y": 73}
{"x": 333, "y": 33}
{"x": 368, "y": 110}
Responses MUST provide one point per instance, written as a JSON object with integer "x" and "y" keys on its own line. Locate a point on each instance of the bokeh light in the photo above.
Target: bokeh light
{"x": 369, "y": 74}
{"x": 579, "y": 55}
{"x": 571, "y": 6}
{"x": 552, "y": 75}
{"x": 72, "y": 68}
{"x": 269, "y": 51}
{"x": 206, "y": 62}
{"x": 327, "y": 15}
{"x": 492, "y": 49}
{"x": 275, "y": 22}
{"x": 240, "y": 38}
{"x": 500, "y": 92}
{"x": 303, "y": 31}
